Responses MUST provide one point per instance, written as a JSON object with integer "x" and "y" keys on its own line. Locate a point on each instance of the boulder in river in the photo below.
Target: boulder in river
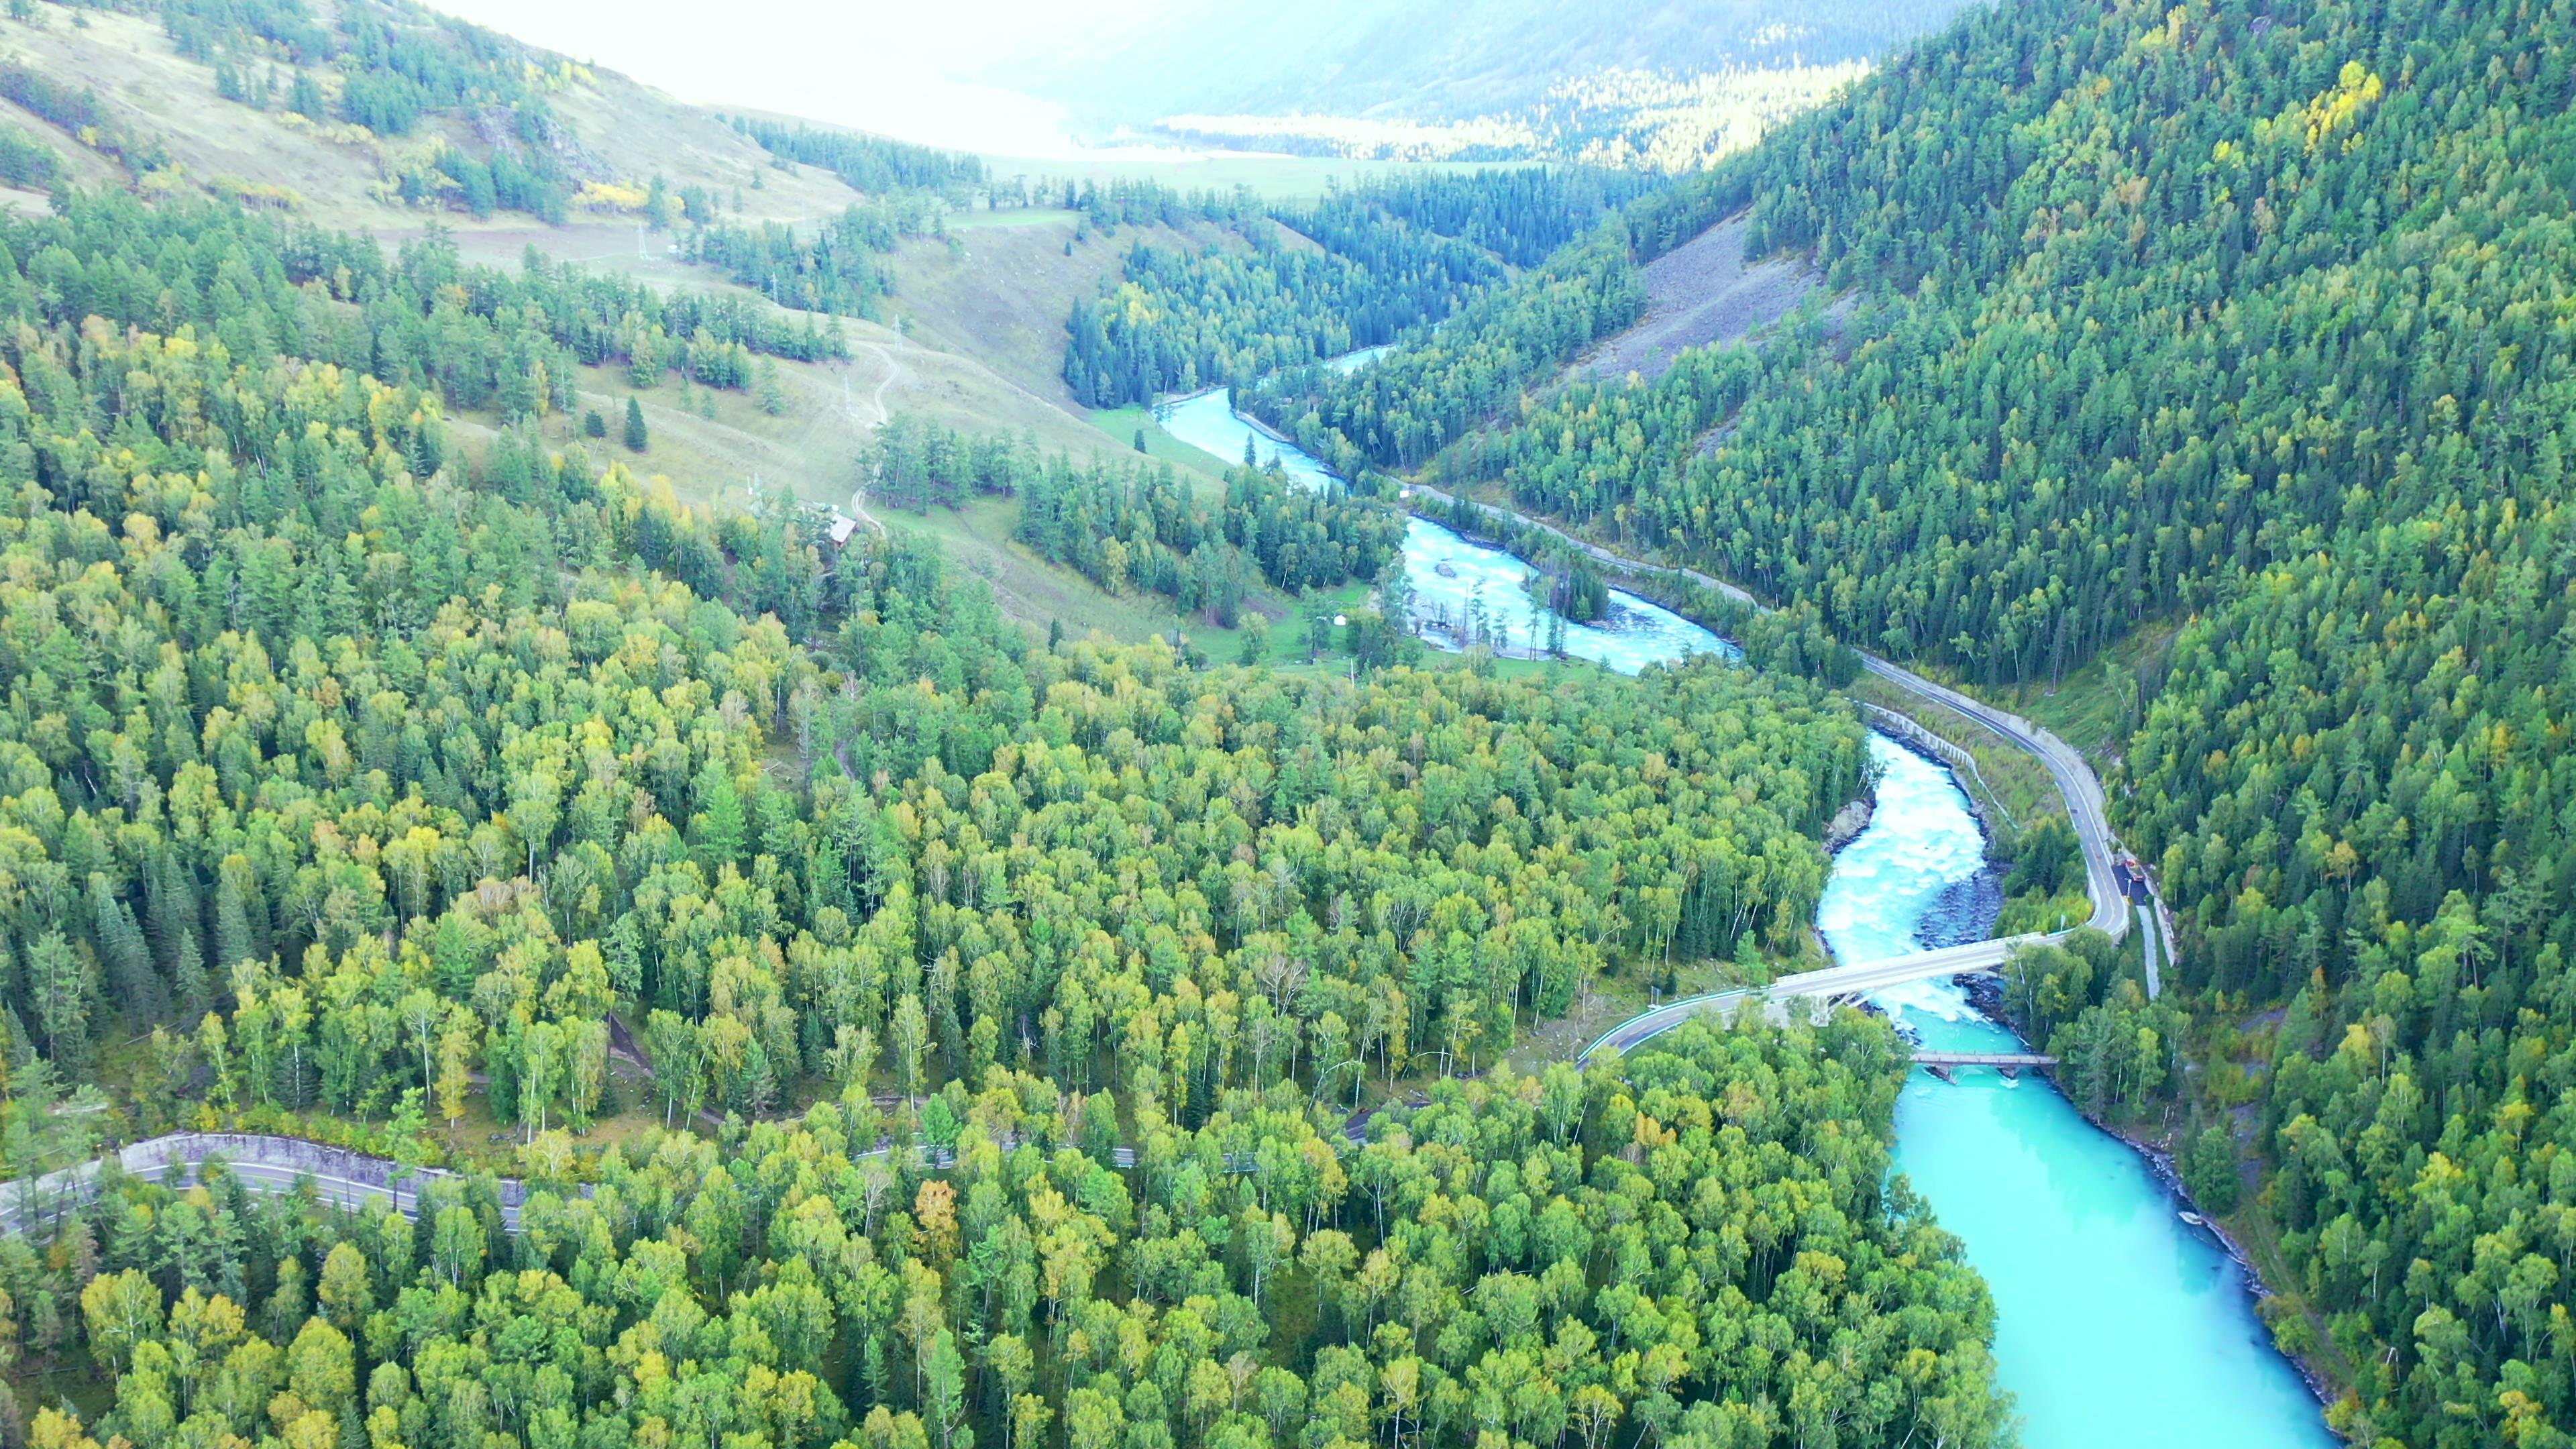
{"x": 1848, "y": 823}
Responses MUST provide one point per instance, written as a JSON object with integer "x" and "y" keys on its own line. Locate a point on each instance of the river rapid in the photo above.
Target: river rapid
{"x": 1463, "y": 592}
{"x": 2118, "y": 1324}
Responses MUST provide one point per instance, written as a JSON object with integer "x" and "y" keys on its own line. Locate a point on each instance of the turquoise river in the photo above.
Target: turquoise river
{"x": 2118, "y": 1324}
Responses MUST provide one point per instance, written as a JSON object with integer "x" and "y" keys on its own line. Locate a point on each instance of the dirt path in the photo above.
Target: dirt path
{"x": 877, "y": 399}
{"x": 876, "y": 404}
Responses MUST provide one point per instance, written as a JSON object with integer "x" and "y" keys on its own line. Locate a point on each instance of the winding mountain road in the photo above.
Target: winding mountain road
{"x": 280, "y": 1164}
{"x": 2086, "y": 807}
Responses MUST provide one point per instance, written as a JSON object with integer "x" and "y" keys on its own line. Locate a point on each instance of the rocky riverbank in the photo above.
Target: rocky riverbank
{"x": 1850, "y": 821}
{"x": 1985, "y": 992}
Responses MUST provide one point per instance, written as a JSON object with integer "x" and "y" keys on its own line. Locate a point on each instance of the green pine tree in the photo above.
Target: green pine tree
{"x": 719, "y": 830}
{"x": 637, "y": 439}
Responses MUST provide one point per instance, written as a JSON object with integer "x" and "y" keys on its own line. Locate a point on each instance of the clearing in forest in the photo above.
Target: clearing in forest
{"x": 1699, "y": 293}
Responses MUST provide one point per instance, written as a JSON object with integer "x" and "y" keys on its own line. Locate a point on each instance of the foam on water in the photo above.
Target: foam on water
{"x": 1467, "y": 591}
{"x": 1922, "y": 842}
{"x": 2117, "y": 1326}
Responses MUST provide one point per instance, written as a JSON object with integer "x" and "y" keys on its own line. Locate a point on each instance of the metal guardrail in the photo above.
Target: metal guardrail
{"x": 1896, "y": 722}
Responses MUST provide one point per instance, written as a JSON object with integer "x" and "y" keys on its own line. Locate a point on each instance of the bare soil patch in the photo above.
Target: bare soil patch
{"x": 1702, "y": 292}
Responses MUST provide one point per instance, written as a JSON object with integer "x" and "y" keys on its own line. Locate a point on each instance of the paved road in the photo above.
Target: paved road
{"x": 263, "y": 1163}
{"x": 278, "y": 1164}
{"x": 2075, "y": 780}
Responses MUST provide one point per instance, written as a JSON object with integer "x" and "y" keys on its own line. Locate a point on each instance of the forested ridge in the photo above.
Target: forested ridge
{"x": 354, "y": 780}
{"x": 2089, "y": 397}
{"x": 1145, "y": 527}
{"x": 870, "y": 164}
{"x": 2250, "y": 321}
{"x": 479, "y": 337}
{"x": 1452, "y": 382}
{"x": 1410, "y": 404}
{"x": 1394, "y": 255}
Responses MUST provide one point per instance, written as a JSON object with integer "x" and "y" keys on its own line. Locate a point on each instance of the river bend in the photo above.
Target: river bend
{"x": 2119, "y": 1326}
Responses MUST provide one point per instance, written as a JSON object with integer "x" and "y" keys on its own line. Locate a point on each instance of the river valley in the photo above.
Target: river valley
{"x": 1463, "y": 592}
{"x": 2118, "y": 1323}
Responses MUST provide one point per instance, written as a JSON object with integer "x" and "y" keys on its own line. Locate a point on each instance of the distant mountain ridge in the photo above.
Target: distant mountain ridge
{"x": 1420, "y": 61}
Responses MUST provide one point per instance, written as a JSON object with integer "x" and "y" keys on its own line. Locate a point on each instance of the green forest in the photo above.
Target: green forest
{"x": 872, "y": 165}
{"x": 913, "y": 1027}
{"x": 1253, "y": 1280}
{"x": 2247, "y": 327}
{"x": 1134, "y": 526}
{"x": 1364, "y": 266}
{"x": 1409, "y": 405}
{"x": 366, "y": 785}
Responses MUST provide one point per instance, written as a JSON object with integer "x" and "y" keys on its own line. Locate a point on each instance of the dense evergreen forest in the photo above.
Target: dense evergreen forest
{"x": 1445, "y": 385}
{"x": 2252, "y": 321}
{"x": 872, "y": 165}
{"x": 353, "y": 781}
{"x": 1359, "y": 268}
{"x": 309, "y": 450}
{"x": 1703, "y": 1252}
{"x": 357, "y": 781}
{"x": 26, "y": 162}
{"x": 476, "y": 336}
{"x": 1140, "y": 526}
{"x": 1518, "y": 215}
{"x": 1416, "y": 401}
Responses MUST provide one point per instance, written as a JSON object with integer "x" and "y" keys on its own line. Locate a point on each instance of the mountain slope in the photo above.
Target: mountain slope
{"x": 2255, "y": 322}
{"x": 159, "y": 89}
{"x": 1662, "y": 84}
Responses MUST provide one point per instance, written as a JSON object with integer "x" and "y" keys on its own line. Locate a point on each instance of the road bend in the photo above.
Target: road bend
{"x": 278, "y": 1164}
{"x": 2086, "y": 808}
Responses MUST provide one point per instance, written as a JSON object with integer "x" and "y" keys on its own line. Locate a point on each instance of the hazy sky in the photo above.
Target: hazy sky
{"x": 887, "y": 67}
